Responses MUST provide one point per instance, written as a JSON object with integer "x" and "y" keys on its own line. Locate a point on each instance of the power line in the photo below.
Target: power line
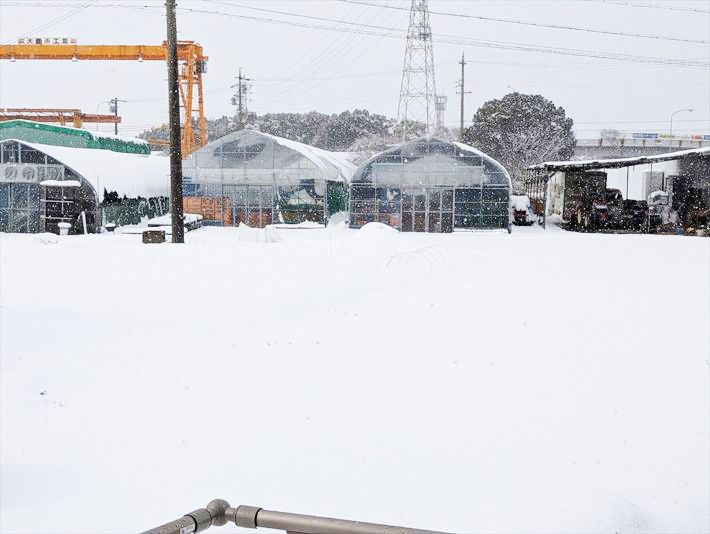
{"x": 330, "y": 55}
{"x": 346, "y": 65}
{"x": 452, "y": 39}
{"x": 648, "y": 6}
{"x": 56, "y": 21}
{"x": 543, "y": 25}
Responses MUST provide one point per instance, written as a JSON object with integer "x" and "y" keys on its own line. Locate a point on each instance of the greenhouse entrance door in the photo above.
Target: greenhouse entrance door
{"x": 252, "y": 205}
{"x": 427, "y": 210}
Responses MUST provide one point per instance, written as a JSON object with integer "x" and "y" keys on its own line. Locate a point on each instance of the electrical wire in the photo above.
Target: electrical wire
{"x": 648, "y": 6}
{"x": 543, "y": 25}
{"x": 55, "y": 21}
{"x": 452, "y": 39}
{"x": 331, "y": 55}
{"x": 343, "y": 67}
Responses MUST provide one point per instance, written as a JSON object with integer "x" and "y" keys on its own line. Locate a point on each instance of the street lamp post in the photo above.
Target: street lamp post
{"x": 670, "y": 133}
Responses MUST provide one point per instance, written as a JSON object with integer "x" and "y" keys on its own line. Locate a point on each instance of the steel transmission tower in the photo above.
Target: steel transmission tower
{"x": 417, "y": 96}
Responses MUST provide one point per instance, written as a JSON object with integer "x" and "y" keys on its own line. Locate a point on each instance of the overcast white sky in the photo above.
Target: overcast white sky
{"x": 655, "y": 57}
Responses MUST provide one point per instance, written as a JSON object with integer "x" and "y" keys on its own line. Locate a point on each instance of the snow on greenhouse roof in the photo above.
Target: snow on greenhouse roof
{"x": 325, "y": 160}
{"x": 464, "y": 151}
{"x": 620, "y": 162}
{"x": 334, "y": 166}
{"x": 132, "y": 175}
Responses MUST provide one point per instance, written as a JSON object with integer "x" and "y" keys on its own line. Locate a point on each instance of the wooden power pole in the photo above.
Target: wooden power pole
{"x": 176, "y": 212}
{"x": 463, "y": 92}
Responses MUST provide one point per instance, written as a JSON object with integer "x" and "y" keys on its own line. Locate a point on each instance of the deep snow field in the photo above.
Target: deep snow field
{"x": 544, "y": 381}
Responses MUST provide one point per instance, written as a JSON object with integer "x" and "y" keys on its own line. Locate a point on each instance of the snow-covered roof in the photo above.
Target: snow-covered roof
{"x": 621, "y": 162}
{"x": 333, "y": 166}
{"x": 323, "y": 159}
{"x": 132, "y": 175}
{"x": 453, "y": 157}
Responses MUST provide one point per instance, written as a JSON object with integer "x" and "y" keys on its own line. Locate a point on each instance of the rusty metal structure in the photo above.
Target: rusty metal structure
{"x": 72, "y": 117}
{"x": 192, "y": 65}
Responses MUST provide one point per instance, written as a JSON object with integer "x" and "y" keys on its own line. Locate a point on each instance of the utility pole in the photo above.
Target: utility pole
{"x": 113, "y": 107}
{"x": 176, "y": 213}
{"x": 240, "y": 97}
{"x": 463, "y": 92}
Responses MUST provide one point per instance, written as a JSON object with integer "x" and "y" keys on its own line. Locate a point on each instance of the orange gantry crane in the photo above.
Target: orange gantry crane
{"x": 193, "y": 65}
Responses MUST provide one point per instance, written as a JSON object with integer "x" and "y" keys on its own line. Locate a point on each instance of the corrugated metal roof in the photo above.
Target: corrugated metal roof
{"x": 620, "y": 162}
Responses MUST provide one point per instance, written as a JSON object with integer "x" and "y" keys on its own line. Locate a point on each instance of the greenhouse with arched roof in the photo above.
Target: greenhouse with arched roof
{"x": 431, "y": 185}
{"x": 43, "y": 186}
{"x": 259, "y": 179}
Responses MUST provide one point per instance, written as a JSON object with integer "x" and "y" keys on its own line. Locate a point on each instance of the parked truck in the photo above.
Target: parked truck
{"x": 580, "y": 198}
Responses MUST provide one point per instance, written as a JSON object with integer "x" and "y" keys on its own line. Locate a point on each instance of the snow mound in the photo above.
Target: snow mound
{"x": 258, "y": 235}
{"x": 375, "y": 229}
{"x": 338, "y": 220}
{"x": 46, "y": 238}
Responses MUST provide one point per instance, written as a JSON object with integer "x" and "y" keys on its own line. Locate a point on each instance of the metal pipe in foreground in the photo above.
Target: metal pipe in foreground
{"x": 218, "y": 512}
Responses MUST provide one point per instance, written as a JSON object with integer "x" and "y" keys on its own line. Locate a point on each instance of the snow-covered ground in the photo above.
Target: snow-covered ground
{"x": 543, "y": 381}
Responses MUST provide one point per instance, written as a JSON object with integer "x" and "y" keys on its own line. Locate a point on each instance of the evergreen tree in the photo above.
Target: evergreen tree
{"x": 521, "y": 130}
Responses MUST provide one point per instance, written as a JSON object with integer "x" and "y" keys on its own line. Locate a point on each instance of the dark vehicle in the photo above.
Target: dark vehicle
{"x": 607, "y": 211}
{"x": 584, "y": 201}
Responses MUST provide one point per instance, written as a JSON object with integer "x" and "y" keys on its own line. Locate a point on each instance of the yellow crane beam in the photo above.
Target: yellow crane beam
{"x": 190, "y": 55}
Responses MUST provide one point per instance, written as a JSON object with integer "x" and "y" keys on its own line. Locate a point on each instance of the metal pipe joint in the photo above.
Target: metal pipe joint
{"x": 218, "y": 513}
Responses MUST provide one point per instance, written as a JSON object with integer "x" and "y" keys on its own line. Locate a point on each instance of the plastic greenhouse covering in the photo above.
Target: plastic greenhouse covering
{"x": 431, "y": 185}
{"x": 44, "y": 185}
{"x": 259, "y": 179}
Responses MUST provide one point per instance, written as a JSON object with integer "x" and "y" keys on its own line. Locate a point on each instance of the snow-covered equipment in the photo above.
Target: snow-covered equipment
{"x": 523, "y": 214}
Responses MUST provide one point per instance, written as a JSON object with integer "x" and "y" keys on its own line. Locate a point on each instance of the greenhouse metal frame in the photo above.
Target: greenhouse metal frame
{"x": 431, "y": 185}
{"x": 258, "y": 179}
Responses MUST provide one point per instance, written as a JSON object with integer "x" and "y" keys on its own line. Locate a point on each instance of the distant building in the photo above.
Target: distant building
{"x": 636, "y": 144}
{"x": 52, "y": 174}
{"x": 259, "y": 179}
{"x": 431, "y": 185}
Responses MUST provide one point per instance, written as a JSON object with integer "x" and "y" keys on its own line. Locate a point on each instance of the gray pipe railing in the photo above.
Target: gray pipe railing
{"x": 218, "y": 513}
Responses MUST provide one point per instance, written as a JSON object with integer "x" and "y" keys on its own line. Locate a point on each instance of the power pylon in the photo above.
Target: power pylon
{"x": 417, "y": 96}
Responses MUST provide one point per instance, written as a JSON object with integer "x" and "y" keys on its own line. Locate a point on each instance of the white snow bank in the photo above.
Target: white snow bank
{"x": 46, "y": 238}
{"x": 167, "y": 220}
{"x": 376, "y": 229}
{"x": 307, "y": 377}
